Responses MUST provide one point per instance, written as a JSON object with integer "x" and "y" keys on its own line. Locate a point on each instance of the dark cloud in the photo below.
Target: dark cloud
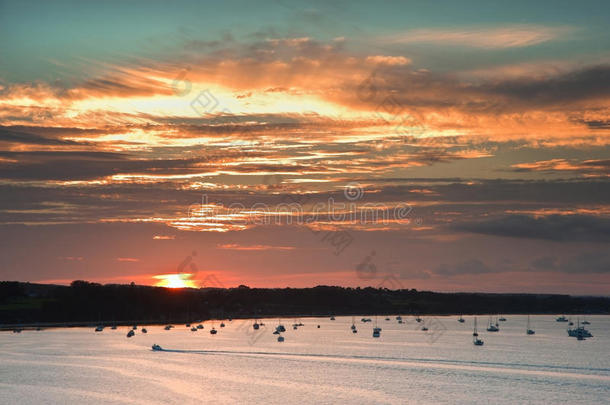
{"x": 564, "y": 228}
{"x": 472, "y": 266}
{"x": 592, "y": 262}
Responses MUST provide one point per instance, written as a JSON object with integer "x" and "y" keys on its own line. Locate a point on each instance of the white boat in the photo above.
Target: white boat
{"x": 475, "y": 335}
{"x": 529, "y": 330}
{"x": 156, "y": 347}
{"x": 492, "y": 327}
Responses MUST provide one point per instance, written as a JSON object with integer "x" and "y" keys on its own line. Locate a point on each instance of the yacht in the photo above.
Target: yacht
{"x": 579, "y": 332}
{"x": 156, "y": 347}
{"x": 561, "y": 319}
{"x": 492, "y": 327}
{"x": 376, "y": 329}
{"x": 529, "y": 330}
{"x": 475, "y": 335}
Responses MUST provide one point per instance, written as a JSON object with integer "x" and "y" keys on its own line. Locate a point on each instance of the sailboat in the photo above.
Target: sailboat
{"x": 353, "y": 327}
{"x": 579, "y": 332}
{"x": 460, "y": 319}
{"x": 475, "y": 335}
{"x": 529, "y": 330}
{"x": 376, "y": 329}
{"x": 492, "y": 327}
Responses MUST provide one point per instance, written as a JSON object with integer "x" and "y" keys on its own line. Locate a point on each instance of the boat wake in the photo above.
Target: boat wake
{"x": 566, "y": 371}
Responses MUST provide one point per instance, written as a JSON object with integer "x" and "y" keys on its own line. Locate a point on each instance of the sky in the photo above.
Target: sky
{"x": 446, "y": 146}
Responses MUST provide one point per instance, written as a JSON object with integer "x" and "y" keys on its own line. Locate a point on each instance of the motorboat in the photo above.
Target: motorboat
{"x": 222, "y": 324}
{"x": 99, "y": 328}
{"x": 213, "y": 331}
{"x": 168, "y": 327}
{"x": 193, "y": 329}
{"x": 130, "y": 333}
{"x": 561, "y": 319}
{"x": 502, "y": 319}
{"x": 144, "y": 330}
{"x": 156, "y": 347}
{"x": 280, "y": 338}
{"x": 200, "y": 326}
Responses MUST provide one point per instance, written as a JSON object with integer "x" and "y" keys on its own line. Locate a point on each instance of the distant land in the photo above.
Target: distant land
{"x": 90, "y": 303}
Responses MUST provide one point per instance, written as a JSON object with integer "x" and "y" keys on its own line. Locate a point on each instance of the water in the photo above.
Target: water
{"x": 326, "y": 365}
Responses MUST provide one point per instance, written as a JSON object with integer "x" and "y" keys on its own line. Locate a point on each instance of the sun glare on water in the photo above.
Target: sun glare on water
{"x": 175, "y": 280}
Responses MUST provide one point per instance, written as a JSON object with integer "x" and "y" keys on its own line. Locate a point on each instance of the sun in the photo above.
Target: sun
{"x": 175, "y": 280}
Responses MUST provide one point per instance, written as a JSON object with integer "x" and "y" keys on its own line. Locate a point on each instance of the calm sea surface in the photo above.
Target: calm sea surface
{"x": 326, "y": 365}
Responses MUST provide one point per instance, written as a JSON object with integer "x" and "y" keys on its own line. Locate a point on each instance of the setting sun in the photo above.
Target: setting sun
{"x": 175, "y": 280}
